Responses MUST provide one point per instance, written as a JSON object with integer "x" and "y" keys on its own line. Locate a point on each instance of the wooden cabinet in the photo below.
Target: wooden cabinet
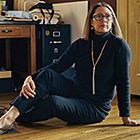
{"x": 20, "y": 31}
{"x": 17, "y": 30}
{"x": 129, "y": 19}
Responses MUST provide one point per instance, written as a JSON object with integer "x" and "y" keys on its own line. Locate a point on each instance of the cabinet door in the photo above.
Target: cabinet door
{"x": 129, "y": 19}
{"x": 134, "y": 42}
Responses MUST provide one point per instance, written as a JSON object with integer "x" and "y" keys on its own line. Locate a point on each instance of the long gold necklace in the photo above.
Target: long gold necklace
{"x": 94, "y": 65}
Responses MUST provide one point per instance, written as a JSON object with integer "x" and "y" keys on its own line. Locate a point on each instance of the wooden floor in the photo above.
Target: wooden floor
{"x": 55, "y": 129}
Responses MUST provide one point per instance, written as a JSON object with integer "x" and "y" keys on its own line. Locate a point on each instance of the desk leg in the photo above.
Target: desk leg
{"x": 8, "y": 53}
{"x": 33, "y": 49}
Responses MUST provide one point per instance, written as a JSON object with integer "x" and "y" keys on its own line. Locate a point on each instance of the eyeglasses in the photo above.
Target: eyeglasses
{"x": 100, "y": 16}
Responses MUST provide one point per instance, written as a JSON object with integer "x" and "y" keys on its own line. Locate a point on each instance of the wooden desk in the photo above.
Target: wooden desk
{"x": 13, "y": 29}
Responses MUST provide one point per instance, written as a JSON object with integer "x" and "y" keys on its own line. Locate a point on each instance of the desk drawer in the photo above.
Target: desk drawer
{"x": 10, "y": 31}
{"x": 13, "y": 31}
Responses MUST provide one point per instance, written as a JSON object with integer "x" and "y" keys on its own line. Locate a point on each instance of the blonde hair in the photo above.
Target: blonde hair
{"x": 116, "y": 30}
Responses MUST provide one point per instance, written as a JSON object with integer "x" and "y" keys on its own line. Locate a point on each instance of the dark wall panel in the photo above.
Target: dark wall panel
{"x": 10, "y": 4}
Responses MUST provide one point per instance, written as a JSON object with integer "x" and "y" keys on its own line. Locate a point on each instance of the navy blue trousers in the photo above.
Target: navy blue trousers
{"x": 56, "y": 96}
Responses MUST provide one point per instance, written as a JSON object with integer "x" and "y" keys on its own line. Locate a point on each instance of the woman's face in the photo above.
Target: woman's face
{"x": 100, "y": 23}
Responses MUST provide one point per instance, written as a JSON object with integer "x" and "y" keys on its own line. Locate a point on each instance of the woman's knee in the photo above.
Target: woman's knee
{"x": 46, "y": 75}
{"x": 44, "y": 81}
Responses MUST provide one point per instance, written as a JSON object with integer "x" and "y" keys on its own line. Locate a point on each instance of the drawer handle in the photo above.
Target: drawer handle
{"x": 6, "y": 31}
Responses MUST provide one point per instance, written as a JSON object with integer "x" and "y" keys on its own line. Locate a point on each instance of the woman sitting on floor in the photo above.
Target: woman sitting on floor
{"x": 101, "y": 58}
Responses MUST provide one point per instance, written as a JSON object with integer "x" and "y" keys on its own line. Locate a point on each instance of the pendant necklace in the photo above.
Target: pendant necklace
{"x": 94, "y": 65}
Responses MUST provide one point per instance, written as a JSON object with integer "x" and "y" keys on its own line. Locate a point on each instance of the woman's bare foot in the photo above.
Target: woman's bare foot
{"x": 10, "y": 116}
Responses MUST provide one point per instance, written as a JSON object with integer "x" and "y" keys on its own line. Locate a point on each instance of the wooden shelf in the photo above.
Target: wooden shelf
{"x": 5, "y": 74}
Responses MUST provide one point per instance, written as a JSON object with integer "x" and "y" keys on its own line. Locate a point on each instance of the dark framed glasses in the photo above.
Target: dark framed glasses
{"x": 100, "y": 16}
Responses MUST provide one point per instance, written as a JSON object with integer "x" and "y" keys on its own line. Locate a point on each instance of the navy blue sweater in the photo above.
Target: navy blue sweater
{"x": 112, "y": 71}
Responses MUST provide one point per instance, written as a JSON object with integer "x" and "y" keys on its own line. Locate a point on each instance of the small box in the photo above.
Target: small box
{"x": 19, "y": 14}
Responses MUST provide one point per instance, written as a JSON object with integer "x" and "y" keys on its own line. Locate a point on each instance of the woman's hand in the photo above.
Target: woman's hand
{"x": 28, "y": 88}
{"x": 128, "y": 121}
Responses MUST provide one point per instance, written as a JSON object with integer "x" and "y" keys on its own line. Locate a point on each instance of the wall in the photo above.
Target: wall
{"x": 111, "y": 2}
{"x": 71, "y": 16}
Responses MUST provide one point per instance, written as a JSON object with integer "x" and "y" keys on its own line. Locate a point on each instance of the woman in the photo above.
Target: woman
{"x": 101, "y": 60}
